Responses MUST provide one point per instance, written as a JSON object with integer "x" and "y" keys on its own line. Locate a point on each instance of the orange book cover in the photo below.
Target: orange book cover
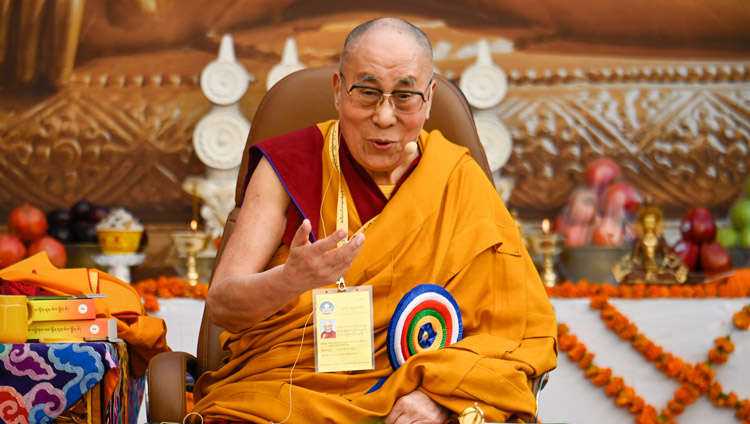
{"x": 92, "y": 329}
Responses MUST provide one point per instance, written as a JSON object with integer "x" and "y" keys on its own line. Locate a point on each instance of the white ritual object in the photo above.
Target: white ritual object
{"x": 119, "y": 265}
{"x": 289, "y": 63}
{"x": 484, "y": 84}
{"x": 219, "y": 137}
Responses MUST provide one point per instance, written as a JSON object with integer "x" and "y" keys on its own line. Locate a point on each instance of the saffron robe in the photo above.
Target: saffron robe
{"x": 444, "y": 225}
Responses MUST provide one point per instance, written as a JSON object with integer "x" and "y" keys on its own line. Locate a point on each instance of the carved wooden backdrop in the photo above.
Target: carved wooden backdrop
{"x": 114, "y": 124}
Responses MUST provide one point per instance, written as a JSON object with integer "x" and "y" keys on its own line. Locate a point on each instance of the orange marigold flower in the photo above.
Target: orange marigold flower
{"x": 567, "y": 289}
{"x": 602, "y": 378}
{"x": 567, "y": 342}
{"x": 150, "y": 303}
{"x": 652, "y": 352}
{"x": 625, "y": 397}
{"x": 577, "y": 352}
{"x": 743, "y": 412}
{"x": 599, "y": 302}
{"x": 675, "y": 408}
{"x": 724, "y": 344}
{"x": 673, "y": 366}
{"x": 562, "y": 330}
{"x": 684, "y": 395}
{"x": 715, "y": 390}
{"x": 614, "y": 386}
{"x": 626, "y": 291}
{"x": 711, "y": 290}
{"x": 591, "y": 371}
{"x": 639, "y": 291}
{"x": 636, "y": 407}
{"x": 675, "y": 291}
{"x": 608, "y": 290}
{"x": 164, "y": 293}
{"x": 587, "y": 359}
{"x": 717, "y": 357}
{"x": 629, "y": 332}
{"x": 648, "y": 416}
{"x": 688, "y": 292}
{"x": 742, "y": 319}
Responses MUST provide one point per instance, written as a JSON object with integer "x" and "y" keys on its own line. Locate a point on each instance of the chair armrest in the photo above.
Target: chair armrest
{"x": 166, "y": 386}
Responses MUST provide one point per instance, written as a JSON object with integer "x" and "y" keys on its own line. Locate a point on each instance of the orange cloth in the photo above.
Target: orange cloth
{"x": 145, "y": 336}
{"x": 445, "y": 225}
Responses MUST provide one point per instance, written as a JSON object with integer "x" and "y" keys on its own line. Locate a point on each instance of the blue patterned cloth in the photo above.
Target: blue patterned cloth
{"x": 38, "y": 382}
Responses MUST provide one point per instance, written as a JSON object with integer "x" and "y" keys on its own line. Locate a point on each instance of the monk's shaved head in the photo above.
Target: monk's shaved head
{"x": 390, "y": 24}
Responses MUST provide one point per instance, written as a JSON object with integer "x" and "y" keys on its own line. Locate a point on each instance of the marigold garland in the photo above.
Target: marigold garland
{"x": 164, "y": 287}
{"x": 695, "y": 379}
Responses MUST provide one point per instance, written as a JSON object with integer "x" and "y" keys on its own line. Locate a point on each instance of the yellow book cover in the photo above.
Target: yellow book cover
{"x": 62, "y": 308}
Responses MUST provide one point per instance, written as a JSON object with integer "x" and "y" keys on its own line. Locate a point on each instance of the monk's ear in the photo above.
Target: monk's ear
{"x": 336, "y": 90}
{"x": 428, "y": 104}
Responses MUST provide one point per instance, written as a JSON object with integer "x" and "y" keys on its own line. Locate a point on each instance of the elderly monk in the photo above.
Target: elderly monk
{"x": 430, "y": 216}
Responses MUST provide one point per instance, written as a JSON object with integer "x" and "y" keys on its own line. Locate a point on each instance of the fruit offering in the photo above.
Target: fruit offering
{"x": 601, "y": 212}
{"x": 738, "y": 235}
{"x": 78, "y": 224}
{"x": 698, "y": 247}
{"x": 28, "y": 226}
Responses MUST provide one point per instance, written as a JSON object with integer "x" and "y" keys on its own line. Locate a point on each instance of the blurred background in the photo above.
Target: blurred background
{"x": 99, "y": 99}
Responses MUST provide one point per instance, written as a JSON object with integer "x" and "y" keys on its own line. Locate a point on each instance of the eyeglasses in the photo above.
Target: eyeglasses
{"x": 403, "y": 101}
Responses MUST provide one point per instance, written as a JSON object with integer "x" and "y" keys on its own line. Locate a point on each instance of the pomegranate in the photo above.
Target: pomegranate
{"x": 55, "y": 251}
{"x": 12, "y": 250}
{"x": 28, "y": 223}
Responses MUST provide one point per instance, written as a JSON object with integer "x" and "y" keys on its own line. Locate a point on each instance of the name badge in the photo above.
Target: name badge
{"x": 344, "y": 336}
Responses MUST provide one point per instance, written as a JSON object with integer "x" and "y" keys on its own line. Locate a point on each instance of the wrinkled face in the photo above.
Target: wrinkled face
{"x": 389, "y": 61}
{"x": 327, "y": 326}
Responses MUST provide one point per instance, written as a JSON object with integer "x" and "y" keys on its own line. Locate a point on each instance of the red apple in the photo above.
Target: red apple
{"x": 55, "y": 251}
{"x": 601, "y": 173}
{"x": 12, "y": 250}
{"x": 28, "y": 223}
{"x": 621, "y": 197}
{"x": 608, "y": 232}
{"x": 714, "y": 258}
{"x": 698, "y": 225}
{"x": 687, "y": 251}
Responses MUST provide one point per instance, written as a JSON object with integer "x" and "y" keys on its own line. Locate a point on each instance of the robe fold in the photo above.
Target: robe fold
{"x": 444, "y": 225}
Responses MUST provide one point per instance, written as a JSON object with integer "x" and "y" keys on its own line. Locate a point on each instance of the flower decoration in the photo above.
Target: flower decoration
{"x": 151, "y": 289}
{"x": 695, "y": 379}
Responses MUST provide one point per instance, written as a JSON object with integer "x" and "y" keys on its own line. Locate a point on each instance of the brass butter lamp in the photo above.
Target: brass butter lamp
{"x": 549, "y": 245}
{"x": 190, "y": 243}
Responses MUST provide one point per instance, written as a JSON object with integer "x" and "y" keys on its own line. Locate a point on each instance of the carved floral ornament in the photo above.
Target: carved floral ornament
{"x": 681, "y": 134}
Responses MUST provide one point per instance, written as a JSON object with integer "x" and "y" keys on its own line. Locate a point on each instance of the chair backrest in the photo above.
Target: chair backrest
{"x": 305, "y": 98}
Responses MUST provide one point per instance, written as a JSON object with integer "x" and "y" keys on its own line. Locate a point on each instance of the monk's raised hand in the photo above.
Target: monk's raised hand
{"x": 312, "y": 265}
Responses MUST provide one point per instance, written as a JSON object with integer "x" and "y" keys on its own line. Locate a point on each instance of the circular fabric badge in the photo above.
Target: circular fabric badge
{"x": 427, "y": 318}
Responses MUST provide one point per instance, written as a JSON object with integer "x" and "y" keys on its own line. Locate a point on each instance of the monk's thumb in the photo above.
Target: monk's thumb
{"x": 302, "y": 236}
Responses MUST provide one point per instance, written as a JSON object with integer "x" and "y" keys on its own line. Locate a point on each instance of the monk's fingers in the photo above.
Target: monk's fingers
{"x": 302, "y": 236}
{"x": 345, "y": 255}
{"x": 325, "y": 244}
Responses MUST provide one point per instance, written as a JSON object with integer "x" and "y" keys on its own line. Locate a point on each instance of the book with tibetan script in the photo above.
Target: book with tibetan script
{"x": 73, "y": 330}
{"x": 63, "y": 308}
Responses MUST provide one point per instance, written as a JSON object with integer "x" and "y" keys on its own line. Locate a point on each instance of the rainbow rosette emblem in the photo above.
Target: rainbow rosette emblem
{"x": 427, "y": 318}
